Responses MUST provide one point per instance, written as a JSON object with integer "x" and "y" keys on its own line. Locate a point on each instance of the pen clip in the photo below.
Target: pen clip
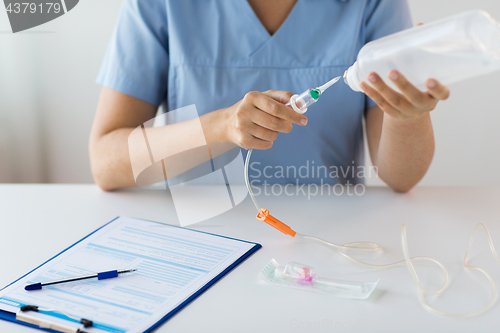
{"x": 42, "y": 323}
{"x": 25, "y": 308}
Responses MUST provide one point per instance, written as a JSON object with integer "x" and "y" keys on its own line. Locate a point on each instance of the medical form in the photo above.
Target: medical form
{"x": 172, "y": 264}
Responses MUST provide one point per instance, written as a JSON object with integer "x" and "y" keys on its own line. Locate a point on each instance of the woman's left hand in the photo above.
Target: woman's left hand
{"x": 411, "y": 102}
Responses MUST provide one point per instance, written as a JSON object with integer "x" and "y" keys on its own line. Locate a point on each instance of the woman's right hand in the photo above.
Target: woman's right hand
{"x": 255, "y": 121}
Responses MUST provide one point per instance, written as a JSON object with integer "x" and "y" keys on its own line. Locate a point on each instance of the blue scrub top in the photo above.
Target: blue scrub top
{"x": 212, "y": 52}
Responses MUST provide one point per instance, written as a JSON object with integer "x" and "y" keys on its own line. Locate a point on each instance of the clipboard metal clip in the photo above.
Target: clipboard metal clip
{"x": 22, "y": 315}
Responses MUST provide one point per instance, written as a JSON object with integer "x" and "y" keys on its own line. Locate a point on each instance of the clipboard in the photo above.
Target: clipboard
{"x": 248, "y": 248}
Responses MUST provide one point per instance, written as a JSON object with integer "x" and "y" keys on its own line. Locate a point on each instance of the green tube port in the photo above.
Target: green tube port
{"x": 315, "y": 93}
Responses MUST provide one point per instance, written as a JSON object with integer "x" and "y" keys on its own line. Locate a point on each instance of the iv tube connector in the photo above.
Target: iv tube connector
{"x": 301, "y": 102}
{"x": 275, "y": 223}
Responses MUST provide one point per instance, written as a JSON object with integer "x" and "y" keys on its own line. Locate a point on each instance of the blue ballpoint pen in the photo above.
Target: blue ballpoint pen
{"x": 99, "y": 276}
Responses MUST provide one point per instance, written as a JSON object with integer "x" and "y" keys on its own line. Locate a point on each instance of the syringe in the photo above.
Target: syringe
{"x": 301, "y": 102}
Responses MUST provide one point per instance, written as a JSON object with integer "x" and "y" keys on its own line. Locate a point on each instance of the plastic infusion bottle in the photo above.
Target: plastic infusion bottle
{"x": 449, "y": 50}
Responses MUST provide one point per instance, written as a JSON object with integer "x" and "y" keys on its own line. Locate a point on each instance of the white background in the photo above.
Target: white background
{"x": 48, "y": 99}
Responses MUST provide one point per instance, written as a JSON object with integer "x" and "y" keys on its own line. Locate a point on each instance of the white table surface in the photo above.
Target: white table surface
{"x": 37, "y": 221}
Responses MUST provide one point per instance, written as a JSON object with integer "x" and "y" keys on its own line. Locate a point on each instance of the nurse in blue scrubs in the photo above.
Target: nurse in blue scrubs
{"x": 239, "y": 61}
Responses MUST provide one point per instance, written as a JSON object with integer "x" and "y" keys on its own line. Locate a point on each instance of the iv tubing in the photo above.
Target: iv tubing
{"x": 249, "y": 187}
{"x": 408, "y": 261}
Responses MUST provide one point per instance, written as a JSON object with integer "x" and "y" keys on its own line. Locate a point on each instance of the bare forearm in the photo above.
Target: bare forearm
{"x": 405, "y": 151}
{"x": 401, "y": 139}
{"x": 110, "y": 161}
{"x": 111, "y": 154}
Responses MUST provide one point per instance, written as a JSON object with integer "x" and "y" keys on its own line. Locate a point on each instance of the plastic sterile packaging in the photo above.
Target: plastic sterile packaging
{"x": 300, "y": 276}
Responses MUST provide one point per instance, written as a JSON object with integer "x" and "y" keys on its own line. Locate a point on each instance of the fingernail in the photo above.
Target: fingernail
{"x": 372, "y": 78}
{"x": 362, "y": 86}
{"x": 431, "y": 84}
{"x": 394, "y": 76}
{"x": 303, "y": 121}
